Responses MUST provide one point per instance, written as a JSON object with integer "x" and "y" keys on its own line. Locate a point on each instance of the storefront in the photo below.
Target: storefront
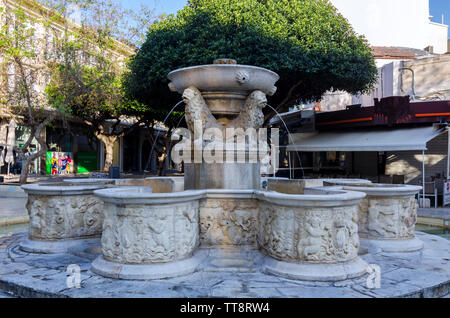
{"x": 408, "y": 155}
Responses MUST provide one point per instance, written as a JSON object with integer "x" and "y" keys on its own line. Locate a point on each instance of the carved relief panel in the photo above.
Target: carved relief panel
{"x": 64, "y": 217}
{"x": 150, "y": 233}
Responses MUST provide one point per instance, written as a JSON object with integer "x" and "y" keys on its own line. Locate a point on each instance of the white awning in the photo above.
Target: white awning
{"x": 374, "y": 140}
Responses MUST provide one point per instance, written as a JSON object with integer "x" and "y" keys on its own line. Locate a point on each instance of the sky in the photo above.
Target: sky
{"x": 437, "y": 7}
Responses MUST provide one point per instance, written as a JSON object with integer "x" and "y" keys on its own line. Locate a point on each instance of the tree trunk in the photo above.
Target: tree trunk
{"x": 109, "y": 149}
{"x": 26, "y": 160}
{"x": 108, "y": 141}
{"x": 24, "y": 172}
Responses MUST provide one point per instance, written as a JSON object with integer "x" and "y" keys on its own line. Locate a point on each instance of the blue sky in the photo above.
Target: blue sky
{"x": 437, "y": 7}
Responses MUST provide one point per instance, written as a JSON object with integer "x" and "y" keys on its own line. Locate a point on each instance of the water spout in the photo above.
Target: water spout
{"x": 292, "y": 141}
{"x": 157, "y": 136}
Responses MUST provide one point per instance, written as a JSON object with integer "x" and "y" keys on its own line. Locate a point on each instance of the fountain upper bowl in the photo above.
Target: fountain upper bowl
{"x": 224, "y": 86}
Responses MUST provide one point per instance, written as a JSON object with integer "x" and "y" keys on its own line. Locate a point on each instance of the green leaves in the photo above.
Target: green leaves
{"x": 302, "y": 40}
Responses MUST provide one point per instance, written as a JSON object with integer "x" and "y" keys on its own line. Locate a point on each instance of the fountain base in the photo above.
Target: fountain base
{"x": 56, "y": 247}
{"x": 392, "y": 246}
{"x": 316, "y": 272}
{"x": 184, "y": 267}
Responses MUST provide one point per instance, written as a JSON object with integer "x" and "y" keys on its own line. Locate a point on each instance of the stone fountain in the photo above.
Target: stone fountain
{"x": 217, "y": 218}
{"x": 223, "y": 215}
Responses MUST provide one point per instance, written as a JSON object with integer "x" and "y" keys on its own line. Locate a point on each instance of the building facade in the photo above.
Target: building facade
{"x": 59, "y": 138}
{"x": 403, "y": 40}
{"x": 398, "y": 23}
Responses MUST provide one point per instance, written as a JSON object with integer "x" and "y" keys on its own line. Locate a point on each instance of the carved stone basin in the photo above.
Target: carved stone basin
{"x": 148, "y": 235}
{"x": 62, "y": 215}
{"x": 313, "y": 236}
{"x": 387, "y": 217}
{"x": 224, "y": 86}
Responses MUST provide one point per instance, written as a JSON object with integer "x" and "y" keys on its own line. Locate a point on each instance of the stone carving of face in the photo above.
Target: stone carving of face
{"x": 260, "y": 99}
{"x": 315, "y": 222}
{"x": 189, "y": 94}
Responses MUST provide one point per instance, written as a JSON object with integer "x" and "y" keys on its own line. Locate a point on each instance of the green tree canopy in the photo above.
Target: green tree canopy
{"x": 307, "y": 42}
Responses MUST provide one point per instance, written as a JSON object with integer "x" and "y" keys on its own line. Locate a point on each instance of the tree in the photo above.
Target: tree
{"x": 88, "y": 76}
{"x": 307, "y": 42}
{"x": 23, "y": 64}
{"x": 92, "y": 94}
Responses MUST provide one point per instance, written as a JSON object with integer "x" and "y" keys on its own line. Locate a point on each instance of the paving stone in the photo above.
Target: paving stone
{"x": 388, "y": 289}
{"x": 321, "y": 292}
{"x": 229, "y": 292}
{"x": 44, "y": 275}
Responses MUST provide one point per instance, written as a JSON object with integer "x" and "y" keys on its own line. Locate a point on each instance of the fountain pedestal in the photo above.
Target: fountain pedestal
{"x": 227, "y": 99}
{"x": 222, "y": 176}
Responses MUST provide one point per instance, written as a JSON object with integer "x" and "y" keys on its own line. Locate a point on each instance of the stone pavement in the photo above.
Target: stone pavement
{"x": 39, "y": 275}
{"x": 13, "y": 211}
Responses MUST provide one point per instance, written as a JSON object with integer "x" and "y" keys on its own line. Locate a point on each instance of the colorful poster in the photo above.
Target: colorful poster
{"x": 59, "y": 163}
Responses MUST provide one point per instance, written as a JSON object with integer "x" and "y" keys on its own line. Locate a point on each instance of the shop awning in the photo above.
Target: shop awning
{"x": 375, "y": 140}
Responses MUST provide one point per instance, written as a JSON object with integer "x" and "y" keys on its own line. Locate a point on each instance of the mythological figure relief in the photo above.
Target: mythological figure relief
{"x": 315, "y": 242}
{"x": 266, "y": 217}
{"x": 277, "y": 232}
{"x": 408, "y": 217}
{"x": 251, "y": 114}
{"x": 299, "y": 234}
{"x": 150, "y": 234}
{"x": 228, "y": 222}
{"x": 109, "y": 235}
{"x": 346, "y": 235}
{"x": 56, "y": 220}
{"x": 388, "y": 218}
{"x": 64, "y": 217}
{"x": 382, "y": 218}
{"x": 187, "y": 225}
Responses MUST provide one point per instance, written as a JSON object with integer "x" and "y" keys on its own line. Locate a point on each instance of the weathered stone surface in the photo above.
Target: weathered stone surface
{"x": 159, "y": 185}
{"x": 388, "y": 217}
{"x": 32, "y": 275}
{"x": 142, "y": 227}
{"x": 64, "y": 217}
{"x": 221, "y": 174}
{"x": 143, "y": 234}
{"x": 228, "y": 222}
{"x": 286, "y": 186}
{"x": 314, "y": 235}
